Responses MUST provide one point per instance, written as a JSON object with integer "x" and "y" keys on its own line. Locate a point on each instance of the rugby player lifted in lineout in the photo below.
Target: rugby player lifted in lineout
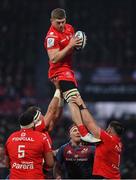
{"x": 60, "y": 43}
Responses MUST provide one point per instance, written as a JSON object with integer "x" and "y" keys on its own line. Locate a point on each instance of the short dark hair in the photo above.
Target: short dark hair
{"x": 117, "y": 126}
{"x": 58, "y": 13}
{"x": 28, "y": 116}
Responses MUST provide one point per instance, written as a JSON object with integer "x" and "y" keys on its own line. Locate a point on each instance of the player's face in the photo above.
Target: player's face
{"x": 59, "y": 24}
{"x": 75, "y": 135}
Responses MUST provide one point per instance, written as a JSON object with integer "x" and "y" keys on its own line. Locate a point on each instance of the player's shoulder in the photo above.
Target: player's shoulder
{"x": 41, "y": 135}
{"x": 38, "y": 133}
{"x": 14, "y": 134}
{"x": 69, "y": 27}
{"x": 52, "y": 33}
{"x": 62, "y": 147}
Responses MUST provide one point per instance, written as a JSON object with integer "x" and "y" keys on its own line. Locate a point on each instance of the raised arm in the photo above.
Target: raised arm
{"x": 87, "y": 118}
{"x": 55, "y": 108}
{"x": 56, "y": 55}
{"x": 54, "y": 111}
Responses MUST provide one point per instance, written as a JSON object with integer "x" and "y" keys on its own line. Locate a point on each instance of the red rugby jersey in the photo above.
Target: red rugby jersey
{"x": 41, "y": 127}
{"x": 26, "y": 149}
{"x": 60, "y": 40}
{"x": 107, "y": 156}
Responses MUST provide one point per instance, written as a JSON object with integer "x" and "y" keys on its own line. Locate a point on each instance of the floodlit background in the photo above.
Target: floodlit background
{"x": 105, "y": 69}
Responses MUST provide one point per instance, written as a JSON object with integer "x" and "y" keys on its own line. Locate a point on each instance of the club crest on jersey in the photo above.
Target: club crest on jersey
{"x": 51, "y": 33}
{"x": 84, "y": 151}
{"x": 50, "y": 42}
{"x": 69, "y": 152}
{"x": 23, "y": 134}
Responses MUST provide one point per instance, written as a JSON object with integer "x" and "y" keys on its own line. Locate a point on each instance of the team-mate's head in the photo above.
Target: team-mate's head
{"x": 58, "y": 19}
{"x": 30, "y": 117}
{"x": 115, "y": 127}
{"x": 74, "y": 134}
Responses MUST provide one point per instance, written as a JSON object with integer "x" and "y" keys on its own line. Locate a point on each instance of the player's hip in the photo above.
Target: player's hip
{"x": 67, "y": 75}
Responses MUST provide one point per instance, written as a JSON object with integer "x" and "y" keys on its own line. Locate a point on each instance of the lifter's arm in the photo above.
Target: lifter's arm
{"x": 54, "y": 111}
{"x": 87, "y": 118}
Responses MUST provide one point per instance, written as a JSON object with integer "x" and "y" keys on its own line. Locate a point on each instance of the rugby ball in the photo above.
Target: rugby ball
{"x": 81, "y": 35}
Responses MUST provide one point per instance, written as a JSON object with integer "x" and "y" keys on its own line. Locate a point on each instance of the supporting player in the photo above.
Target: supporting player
{"x": 26, "y": 149}
{"x": 108, "y": 152}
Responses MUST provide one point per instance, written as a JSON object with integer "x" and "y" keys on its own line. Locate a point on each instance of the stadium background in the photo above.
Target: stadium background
{"x": 106, "y": 69}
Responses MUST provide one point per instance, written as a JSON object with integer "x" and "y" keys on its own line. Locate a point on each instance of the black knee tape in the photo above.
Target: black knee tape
{"x": 67, "y": 85}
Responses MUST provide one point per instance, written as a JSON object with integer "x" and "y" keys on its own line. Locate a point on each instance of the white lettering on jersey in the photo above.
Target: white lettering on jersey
{"x": 23, "y": 165}
{"x": 23, "y": 139}
{"x": 63, "y": 40}
{"x": 50, "y": 42}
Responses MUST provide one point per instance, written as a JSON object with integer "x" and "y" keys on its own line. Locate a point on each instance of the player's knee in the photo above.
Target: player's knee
{"x": 70, "y": 93}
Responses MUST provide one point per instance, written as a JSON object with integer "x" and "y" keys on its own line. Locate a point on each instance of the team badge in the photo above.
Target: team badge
{"x": 23, "y": 134}
{"x": 69, "y": 152}
{"x": 50, "y": 42}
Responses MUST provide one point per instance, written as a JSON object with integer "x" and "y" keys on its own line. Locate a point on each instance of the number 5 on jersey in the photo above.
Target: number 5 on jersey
{"x": 21, "y": 151}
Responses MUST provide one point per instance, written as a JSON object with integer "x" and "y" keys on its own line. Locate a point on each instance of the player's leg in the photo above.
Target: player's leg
{"x": 69, "y": 89}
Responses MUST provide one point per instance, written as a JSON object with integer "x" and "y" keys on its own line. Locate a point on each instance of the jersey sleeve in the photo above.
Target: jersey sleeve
{"x": 47, "y": 145}
{"x": 48, "y": 136}
{"x": 59, "y": 155}
{"x": 40, "y": 126}
{"x": 105, "y": 137}
{"x": 51, "y": 42}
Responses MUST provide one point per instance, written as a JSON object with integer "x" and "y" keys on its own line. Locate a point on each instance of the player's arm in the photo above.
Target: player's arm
{"x": 48, "y": 154}
{"x": 51, "y": 114}
{"x": 55, "y": 108}
{"x": 57, "y": 170}
{"x": 54, "y": 112}
{"x": 56, "y": 55}
{"x": 87, "y": 118}
{"x": 49, "y": 159}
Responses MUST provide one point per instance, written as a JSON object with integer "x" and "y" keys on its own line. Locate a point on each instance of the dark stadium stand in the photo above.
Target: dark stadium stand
{"x": 106, "y": 69}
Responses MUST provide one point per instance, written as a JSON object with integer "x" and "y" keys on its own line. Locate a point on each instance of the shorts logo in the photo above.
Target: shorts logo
{"x": 68, "y": 74}
{"x": 50, "y": 42}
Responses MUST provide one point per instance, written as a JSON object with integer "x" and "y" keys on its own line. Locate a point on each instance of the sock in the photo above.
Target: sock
{"x": 70, "y": 93}
{"x": 82, "y": 129}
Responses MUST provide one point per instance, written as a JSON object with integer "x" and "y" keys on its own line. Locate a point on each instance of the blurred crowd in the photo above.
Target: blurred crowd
{"x": 110, "y": 31}
{"x": 109, "y": 28}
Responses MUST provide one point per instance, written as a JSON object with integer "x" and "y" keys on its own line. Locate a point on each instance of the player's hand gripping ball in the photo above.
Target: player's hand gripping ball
{"x": 81, "y": 35}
